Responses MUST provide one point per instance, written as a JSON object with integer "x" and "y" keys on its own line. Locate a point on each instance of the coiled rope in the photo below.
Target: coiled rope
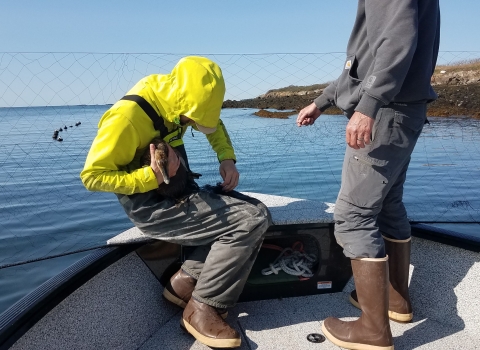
{"x": 292, "y": 261}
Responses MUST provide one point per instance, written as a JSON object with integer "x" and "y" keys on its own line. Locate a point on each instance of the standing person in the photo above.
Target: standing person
{"x": 232, "y": 229}
{"x": 383, "y": 90}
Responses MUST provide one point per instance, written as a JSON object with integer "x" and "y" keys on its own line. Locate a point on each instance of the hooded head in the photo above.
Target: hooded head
{"x": 199, "y": 88}
{"x": 195, "y": 88}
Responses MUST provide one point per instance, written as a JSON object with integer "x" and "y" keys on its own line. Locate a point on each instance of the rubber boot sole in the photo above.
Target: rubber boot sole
{"x": 352, "y": 346}
{"x": 179, "y": 302}
{"x": 173, "y": 299}
{"x": 394, "y": 316}
{"x": 214, "y": 343}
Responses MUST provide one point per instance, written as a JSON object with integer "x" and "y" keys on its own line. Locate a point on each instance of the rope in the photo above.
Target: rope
{"x": 292, "y": 262}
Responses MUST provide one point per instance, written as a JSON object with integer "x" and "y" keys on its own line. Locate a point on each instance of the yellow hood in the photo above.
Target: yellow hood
{"x": 195, "y": 88}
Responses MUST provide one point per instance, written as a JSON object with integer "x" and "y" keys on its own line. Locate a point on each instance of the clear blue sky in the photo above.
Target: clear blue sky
{"x": 195, "y": 26}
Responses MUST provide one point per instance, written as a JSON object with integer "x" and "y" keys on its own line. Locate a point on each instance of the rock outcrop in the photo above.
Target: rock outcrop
{"x": 457, "y": 86}
{"x": 445, "y": 77}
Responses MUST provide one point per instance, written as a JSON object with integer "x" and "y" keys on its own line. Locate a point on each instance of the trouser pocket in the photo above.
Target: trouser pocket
{"x": 364, "y": 182}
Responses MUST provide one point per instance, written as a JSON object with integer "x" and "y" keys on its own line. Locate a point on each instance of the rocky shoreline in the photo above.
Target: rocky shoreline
{"x": 458, "y": 95}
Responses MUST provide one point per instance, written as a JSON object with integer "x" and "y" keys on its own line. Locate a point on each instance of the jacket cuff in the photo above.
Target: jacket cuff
{"x": 227, "y": 155}
{"x": 369, "y": 106}
{"x": 150, "y": 180}
{"x": 322, "y": 103}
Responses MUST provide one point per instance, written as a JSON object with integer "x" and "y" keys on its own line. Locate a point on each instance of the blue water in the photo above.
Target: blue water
{"x": 45, "y": 211}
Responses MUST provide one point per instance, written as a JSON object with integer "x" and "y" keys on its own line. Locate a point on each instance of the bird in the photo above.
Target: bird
{"x": 174, "y": 187}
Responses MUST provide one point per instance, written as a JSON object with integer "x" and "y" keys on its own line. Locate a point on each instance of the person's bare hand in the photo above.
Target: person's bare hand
{"x": 308, "y": 115}
{"x": 173, "y": 163}
{"x": 229, "y": 174}
{"x": 359, "y": 130}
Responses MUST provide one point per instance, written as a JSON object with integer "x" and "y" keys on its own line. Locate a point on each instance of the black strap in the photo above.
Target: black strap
{"x": 158, "y": 122}
{"x": 157, "y": 119}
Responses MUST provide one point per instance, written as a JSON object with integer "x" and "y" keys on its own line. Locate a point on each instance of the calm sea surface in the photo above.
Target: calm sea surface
{"x": 46, "y": 212}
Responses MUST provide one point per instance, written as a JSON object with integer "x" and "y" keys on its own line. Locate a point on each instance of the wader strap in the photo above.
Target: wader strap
{"x": 157, "y": 120}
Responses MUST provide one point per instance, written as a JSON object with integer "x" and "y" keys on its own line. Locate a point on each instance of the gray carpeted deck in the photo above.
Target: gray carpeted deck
{"x": 122, "y": 308}
{"x": 444, "y": 289}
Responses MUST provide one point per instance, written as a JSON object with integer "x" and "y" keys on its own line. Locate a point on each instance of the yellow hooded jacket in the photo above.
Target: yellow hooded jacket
{"x": 195, "y": 88}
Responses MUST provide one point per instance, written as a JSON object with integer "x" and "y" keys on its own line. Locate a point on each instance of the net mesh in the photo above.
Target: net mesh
{"x": 45, "y": 210}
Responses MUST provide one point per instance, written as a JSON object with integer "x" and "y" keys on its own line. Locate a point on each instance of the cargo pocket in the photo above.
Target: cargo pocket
{"x": 349, "y": 84}
{"x": 366, "y": 182}
{"x": 407, "y": 126}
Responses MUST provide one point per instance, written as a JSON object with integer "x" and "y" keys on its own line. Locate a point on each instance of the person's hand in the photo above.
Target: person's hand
{"x": 229, "y": 174}
{"x": 308, "y": 115}
{"x": 173, "y": 164}
{"x": 359, "y": 130}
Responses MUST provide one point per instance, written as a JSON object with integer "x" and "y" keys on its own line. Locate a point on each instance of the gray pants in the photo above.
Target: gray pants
{"x": 369, "y": 203}
{"x": 229, "y": 230}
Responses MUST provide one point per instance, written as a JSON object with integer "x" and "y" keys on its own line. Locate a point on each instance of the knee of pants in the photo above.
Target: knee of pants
{"x": 356, "y": 231}
{"x": 347, "y": 212}
{"x": 263, "y": 221}
{"x": 249, "y": 228}
{"x": 261, "y": 217}
{"x": 266, "y": 216}
{"x": 361, "y": 245}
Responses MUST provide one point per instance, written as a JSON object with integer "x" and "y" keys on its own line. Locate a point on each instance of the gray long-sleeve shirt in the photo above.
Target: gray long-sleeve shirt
{"x": 391, "y": 56}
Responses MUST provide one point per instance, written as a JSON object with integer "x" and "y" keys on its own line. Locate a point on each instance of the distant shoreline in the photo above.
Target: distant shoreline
{"x": 457, "y": 86}
{"x": 453, "y": 100}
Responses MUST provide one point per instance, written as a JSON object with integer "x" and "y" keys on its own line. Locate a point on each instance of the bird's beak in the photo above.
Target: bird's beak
{"x": 164, "y": 172}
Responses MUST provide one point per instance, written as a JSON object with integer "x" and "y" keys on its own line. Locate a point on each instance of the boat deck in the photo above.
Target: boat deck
{"x": 122, "y": 308}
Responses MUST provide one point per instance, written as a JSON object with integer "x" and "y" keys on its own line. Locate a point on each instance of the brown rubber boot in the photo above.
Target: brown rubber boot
{"x": 180, "y": 288}
{"x": 400, "y": 306}
{"x": 208, "y": 327}
{"x": 372, "y": 330}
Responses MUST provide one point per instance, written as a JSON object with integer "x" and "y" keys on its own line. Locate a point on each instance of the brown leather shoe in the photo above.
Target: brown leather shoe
{"x": 372, "y": 329}
{"x": 208, "y": 327}
{"x": 400, "y": 306}
{"x": 180, "y": 288}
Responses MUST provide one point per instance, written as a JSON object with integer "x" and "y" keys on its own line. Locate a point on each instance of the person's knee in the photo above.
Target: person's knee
{"x": 259, "y": 215}
{"x": 356, "y": 231}
{"x": 264, "y": 220}
{"x": 265, "y": 215}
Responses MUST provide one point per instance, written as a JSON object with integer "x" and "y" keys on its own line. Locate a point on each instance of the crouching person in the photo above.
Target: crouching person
{"x": 228, "y": 229}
